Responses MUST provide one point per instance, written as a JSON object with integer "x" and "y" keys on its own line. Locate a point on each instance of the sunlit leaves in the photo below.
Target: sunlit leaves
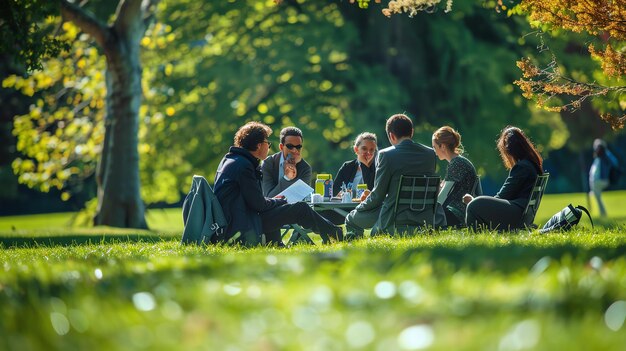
{"x": 61, "y": 136}
{"x": 605, "y": 22}
{"x": 24, "y": 29}
{"x": 248, "y": 61}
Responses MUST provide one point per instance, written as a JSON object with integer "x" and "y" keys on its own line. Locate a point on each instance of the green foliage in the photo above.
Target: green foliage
{"x": 461, "y": 75}
{"x": 232, "y": 63}
{"x": 209, "y": 68}
{"x": 61, "y": 137}
{"x": 25, "y": 32}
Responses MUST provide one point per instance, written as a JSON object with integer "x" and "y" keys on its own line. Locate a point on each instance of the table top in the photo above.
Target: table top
{"x": 335, "y": 204}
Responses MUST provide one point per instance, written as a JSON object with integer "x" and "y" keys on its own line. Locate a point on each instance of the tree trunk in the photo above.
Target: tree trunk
{"x": 119, "y": 197}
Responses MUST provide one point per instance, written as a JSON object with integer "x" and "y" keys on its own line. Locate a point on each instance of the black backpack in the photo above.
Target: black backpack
{"x": 565, "y": 219}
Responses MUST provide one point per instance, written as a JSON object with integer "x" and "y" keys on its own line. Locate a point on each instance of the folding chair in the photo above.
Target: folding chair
{"x": 415, "y": 203}
{"x": 528, "y": 216}
{"x": 298, "y": 234}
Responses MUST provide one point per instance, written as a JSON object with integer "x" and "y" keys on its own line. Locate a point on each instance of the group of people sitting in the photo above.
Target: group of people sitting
{"x": 248, "y": 182}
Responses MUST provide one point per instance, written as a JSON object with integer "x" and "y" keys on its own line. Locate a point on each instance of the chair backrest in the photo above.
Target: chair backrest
{"x": 415, "y": 202}
{"x": 477, "y": 189}
{"x": 535, "y": 199}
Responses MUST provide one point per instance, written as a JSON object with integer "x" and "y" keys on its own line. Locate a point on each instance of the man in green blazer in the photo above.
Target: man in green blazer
{"x": 403, "y": 157}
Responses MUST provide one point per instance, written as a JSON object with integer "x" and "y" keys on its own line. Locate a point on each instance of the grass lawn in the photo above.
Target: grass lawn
{"x": 109, "y": 289}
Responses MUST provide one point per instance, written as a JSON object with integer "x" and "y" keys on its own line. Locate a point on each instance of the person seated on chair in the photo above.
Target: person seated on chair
{"x": 447, "y": 146}
{"x": 287, "y": 166}
{"x": 361, "y": 170}
{"x": 505, "y": 210}
{"x": 253, "y": 218}
{"x": 403, "y": 157}
{"x": 358, "y": 171}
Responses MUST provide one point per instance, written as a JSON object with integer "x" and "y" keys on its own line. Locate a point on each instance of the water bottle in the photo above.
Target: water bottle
{"x": 328, "y": 188}
{"x": 360, "y": 190}
{"x": 319, "y": 183}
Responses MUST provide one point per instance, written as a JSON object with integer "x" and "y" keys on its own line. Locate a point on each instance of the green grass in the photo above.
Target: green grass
{"x": 109, "y": 289}
{"x": 170, "y": 220}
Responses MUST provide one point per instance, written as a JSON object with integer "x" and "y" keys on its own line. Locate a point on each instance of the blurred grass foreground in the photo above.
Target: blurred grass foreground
{"x": 110, "y": 289}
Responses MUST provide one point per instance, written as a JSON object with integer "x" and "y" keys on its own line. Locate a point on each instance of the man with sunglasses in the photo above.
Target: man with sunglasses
{"x": 254, "y": 219}
{"x": 287, "y": 166}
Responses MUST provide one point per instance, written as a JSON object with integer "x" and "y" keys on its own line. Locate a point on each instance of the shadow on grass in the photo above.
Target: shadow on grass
{"x": 73, "y": 240}
{"x": 506, "y": 259}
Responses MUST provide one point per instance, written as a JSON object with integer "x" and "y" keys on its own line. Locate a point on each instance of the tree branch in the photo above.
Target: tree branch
{"x": 86, "y": 21}
{"x": 126, "y": 17}
{"x": 133, "y": 16}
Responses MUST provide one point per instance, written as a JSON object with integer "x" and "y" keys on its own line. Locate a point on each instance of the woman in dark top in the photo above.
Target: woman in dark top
{"x": 447, "y": 146}
{"x": 363, "y": 169}
{"x": 504, "y": 211}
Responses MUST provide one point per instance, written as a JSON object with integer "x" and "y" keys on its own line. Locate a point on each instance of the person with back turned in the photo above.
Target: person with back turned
{"x": 403, "y": 157}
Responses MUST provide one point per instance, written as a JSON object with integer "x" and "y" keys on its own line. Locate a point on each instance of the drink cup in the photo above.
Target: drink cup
{"x": 346, "y": 197}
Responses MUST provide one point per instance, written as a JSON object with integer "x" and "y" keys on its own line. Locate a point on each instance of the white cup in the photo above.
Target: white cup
{"x": 346, "y": 197}
{"x": 316, "y": 198}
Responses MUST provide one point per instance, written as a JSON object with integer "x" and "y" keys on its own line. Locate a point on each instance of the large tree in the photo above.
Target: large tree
{"x": 208, "y": 68}
{"x": 117, "y": 174}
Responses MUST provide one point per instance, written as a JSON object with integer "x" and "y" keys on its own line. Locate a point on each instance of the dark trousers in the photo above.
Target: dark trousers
{"x": 487, "y": 212}
{"x": 451, "y": 219}
{"x": 299, "y": 213}
{"x": 333, "y": 217}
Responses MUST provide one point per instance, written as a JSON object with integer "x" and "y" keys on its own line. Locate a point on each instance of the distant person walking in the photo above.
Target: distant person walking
{"x": 603, "y": 161}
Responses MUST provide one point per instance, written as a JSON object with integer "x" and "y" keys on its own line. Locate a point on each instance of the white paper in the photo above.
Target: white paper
{"x": 445, "y": 191}
{"x": 297, "y": 191}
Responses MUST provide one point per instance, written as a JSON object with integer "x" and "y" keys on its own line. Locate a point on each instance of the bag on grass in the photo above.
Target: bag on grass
{"x": 203, "y": 218}
{"x": 565, "y": 219}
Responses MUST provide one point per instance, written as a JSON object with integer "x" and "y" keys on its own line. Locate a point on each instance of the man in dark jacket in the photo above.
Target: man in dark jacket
{"x": 253, "y": 218}
{"x": 284, "y": 168}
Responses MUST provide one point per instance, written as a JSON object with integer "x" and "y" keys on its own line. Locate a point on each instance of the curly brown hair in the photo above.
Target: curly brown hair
{"x": 251, "y": 134}
{"x": 515, "y": 146}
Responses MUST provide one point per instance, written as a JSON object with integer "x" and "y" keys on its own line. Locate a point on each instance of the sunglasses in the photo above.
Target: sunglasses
{"x": 269, "y": 143}
{"x": 291, "y": 146}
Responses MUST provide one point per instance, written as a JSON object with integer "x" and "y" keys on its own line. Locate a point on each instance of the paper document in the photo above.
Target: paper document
{"x": 297, "y": 191}
{"x": 445, "y": 191}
